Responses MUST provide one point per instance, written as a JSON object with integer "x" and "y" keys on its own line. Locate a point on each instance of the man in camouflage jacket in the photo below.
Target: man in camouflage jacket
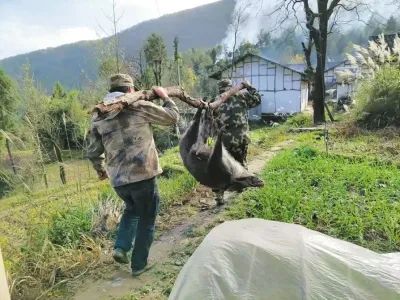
{"x": 232, "y": 119}
{"x": 121, "y": 147}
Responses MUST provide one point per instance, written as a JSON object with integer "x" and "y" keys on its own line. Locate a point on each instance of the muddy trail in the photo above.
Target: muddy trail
{"x": 197, "y": 211}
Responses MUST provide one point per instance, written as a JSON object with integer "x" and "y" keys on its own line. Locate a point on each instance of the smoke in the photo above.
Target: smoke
{"x": 248, "y": 19}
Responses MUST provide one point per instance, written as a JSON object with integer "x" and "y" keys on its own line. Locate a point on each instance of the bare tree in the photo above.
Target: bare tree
{"x": 321, "y": 17}
{"x": 112, "y": 60}
{"x": 116, "y": 40}
{"x": 239, "y": 19}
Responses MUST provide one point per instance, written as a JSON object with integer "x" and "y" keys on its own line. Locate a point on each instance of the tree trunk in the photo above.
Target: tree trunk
{"x": 319, "y": 86}
{"x": 318, "y": 96}
{"x": 10, "y": 156}
{"x": 58, "y": 153}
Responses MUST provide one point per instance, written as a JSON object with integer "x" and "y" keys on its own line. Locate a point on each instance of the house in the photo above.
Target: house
{"x": 334, "y": 82}
{"x": 334, "y": 79}
{"x": 283, "y": 88}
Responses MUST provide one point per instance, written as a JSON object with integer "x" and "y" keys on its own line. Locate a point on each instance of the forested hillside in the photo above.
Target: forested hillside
{"x": 201, "y": 27}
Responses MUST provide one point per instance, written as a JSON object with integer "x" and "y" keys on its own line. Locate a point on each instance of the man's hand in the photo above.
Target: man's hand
{"x": 203, "y": 103}
{"x": 248, "y": 86}
{"x": 161, "y": 92}
{"x": 102, "y": 174}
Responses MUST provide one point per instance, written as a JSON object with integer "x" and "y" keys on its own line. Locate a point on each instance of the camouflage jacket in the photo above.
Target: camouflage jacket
{"x": 124, "y": 141}
{"x": 232, "y": 117}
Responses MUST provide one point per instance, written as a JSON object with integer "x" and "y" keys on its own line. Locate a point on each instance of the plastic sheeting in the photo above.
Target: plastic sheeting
{"x": 258, "y": 259}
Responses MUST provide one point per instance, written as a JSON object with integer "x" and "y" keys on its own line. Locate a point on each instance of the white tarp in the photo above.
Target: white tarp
{"x": 258, "y": 259}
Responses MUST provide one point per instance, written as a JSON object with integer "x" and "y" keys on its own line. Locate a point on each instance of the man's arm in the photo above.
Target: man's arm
{"x": 95, "y": 152}
{"x": 165, "y": 115}
{"x": 252, "y": 98}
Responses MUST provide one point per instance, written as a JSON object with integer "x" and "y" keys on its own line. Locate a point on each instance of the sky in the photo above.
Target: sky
{"x": 28, "y": 25}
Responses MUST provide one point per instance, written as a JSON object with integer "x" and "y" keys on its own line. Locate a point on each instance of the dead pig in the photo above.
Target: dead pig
{"x": 212, "y": 166}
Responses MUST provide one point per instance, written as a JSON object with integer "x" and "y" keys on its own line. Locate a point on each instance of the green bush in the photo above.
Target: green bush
{"x": 300, "y": 120}
{"x": 378, "y": 100}
{"x": 67, "y": 227}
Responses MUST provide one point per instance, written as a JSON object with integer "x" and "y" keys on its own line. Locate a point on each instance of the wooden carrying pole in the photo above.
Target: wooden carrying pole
{"x": 4, "y": 294}
{"x": 173, "y": 92}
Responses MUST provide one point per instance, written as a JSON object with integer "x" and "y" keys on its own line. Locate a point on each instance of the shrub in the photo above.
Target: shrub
{"x": 378, "y": 100}
{"x": 67, "y": 227}
{"x": 299, "y": 120}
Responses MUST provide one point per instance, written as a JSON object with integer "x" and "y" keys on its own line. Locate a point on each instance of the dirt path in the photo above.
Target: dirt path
{"x": 120, "y": 282}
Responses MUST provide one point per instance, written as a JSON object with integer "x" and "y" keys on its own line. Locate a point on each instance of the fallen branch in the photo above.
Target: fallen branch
{"x": 173, "y": 92}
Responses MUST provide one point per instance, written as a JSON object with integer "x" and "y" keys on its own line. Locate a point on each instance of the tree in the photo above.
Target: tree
{"x": 58, "y": 91}
{"x": 177, "y": 59}
{"x": 245, "y": 48}
{"x": 391, "y": 26}
{"x": 8, "y": 99}
{"x": 263, "y": 39}
{"x": 176, "y": 50}
{"x": 239, "y": 19}
{"x": 215, "y": 53}
{"x": 156, "y": 55}
{"x": 321, "y": 16}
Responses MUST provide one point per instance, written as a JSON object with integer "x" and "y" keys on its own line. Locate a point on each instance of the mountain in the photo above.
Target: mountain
{"x": 200, "y": 27}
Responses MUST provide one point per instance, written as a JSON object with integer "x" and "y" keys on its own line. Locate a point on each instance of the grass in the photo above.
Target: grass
{"x": 46, "y": 234}
{"x": 354, "y": 200}
{"x": 263, "y": 138}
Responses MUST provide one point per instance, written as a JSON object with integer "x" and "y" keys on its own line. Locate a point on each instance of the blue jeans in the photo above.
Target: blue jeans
{"x": 138, "y": 220}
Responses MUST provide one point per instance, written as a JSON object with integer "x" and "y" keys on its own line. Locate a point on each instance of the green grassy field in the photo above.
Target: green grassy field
{"x": 46, "y": 234}
{"x": 352, "y": 199}
{"x": 352, "y": 193}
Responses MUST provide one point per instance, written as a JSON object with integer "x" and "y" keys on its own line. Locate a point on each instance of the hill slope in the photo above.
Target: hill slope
{"x": 200, "y": 27}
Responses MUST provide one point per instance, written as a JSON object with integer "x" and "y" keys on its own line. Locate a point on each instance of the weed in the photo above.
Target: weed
{"x": 378, "y": 99}
{"x": 300, "y": 120}
{"x": 67, "y": 227}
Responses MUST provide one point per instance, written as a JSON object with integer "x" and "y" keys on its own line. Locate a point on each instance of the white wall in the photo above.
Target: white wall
{"x": 288, "y": 101}
{"x": 281, "y": 88}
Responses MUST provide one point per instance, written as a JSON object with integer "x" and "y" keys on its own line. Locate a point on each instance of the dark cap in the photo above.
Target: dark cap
{"x": 224, "y": 83}
{"x": 119, "y": 80}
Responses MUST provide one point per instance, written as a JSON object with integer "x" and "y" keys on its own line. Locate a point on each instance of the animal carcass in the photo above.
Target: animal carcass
{"x": 212, "y": 166}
